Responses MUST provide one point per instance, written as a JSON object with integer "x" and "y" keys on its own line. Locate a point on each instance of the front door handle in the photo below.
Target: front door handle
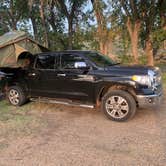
{"x": 32, "y": 74}
{"x": 61, "y": 75}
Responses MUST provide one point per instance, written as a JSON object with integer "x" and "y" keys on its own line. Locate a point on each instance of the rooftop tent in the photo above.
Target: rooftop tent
{"x": 15, "y": 43}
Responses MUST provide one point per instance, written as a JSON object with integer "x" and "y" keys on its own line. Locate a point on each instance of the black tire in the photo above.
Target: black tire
{"x": 112, "y": 110}
{"x": 21, "y": 99}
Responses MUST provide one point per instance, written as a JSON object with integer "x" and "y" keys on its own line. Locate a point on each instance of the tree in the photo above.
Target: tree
{"x": 55, "y": 18}
{"x": 153, "y": 20}
{"x": 12, "y": 11}
{"x": 98, "y": 7}
{"x": 132, "y": 10}
{"x": 102, "y": 28}
{"x": 47, "y": 21}
{"x": 105, "y": 34}
{"x": 44, "y": 24}
{"x": 33, "y": 12}
{"x": 142, "y": 16}
{"x": 71, "y": 13}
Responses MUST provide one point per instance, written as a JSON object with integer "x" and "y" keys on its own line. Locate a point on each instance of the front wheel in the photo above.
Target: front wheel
{"x": 119, "y": 105}
{"x": 16, "y": 96}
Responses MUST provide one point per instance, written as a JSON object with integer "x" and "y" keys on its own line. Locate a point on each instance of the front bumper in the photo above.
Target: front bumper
{"x": 149, "y": 100}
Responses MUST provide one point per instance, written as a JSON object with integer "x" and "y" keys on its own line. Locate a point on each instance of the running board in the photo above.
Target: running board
{"x": 62, "y": 102}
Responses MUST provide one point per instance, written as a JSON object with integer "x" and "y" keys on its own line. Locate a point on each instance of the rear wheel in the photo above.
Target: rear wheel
{"x": 118, "y": 105}
{"x": 16, "y": 96}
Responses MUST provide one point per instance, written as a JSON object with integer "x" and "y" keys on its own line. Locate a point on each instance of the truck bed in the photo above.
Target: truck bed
{"x": 7, "y": 74}
{"x": 8, "y": 70}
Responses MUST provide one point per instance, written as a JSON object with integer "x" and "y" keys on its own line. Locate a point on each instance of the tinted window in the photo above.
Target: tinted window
{"x": 45, "y": 62}
{"x": 68, "y": 61}
{"x": 57, "y": 61}
{"x": 100, "y": 60}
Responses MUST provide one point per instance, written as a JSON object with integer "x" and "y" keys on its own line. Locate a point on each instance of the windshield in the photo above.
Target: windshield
{"x": 100, "y": 60}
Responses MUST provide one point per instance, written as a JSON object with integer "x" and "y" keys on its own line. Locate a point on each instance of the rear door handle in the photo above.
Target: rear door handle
{"x": 61, "y": 75}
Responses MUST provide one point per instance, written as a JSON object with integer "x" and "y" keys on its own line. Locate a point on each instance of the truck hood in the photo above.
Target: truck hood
{"x": 129, "y": 70}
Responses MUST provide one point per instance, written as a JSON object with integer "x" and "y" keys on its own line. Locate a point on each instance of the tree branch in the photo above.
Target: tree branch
{"x": 129, "y": 26}
{"x": 125, "y": 8}
{"x": 73, "y": 9}
{"x": 134, "y": 9}
{"x": 63, "y": 7}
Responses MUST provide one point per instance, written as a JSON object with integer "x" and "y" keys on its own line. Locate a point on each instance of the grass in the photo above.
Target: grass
{"x": 17, "y": 122}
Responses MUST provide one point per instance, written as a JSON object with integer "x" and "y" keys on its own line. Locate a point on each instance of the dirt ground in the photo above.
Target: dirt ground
{"x": 78, "y": 136}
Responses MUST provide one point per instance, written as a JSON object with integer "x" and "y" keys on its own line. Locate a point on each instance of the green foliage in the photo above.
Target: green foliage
{"x": 158, "y": 37}
{"x": 58, "y": 41}
{"x": 143, "y": 60}
{"x": 164, "y": 78}
{"x": 83, "y": 40}
{"x": 125, "y": 59}
{"x": 27, "y": 17}
{"x": 1, "y": 31}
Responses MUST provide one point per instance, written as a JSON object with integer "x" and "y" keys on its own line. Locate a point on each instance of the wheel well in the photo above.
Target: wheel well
{"x": 7, "y": 85}
{"x": 126, "y": 88}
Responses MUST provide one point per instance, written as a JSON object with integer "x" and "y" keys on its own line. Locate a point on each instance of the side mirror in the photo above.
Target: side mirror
{"x": 80, "y": 65}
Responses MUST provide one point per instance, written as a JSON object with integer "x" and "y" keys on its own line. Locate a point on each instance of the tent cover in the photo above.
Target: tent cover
{"x": 13, "y": 44}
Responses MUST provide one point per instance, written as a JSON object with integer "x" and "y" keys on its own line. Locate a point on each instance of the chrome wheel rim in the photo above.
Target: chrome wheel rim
{"x": 14, "y": 97}
{"x": 117, "y": 107}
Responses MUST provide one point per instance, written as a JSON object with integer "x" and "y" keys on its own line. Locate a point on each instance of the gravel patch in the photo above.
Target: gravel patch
{"x": 76, "y": 136}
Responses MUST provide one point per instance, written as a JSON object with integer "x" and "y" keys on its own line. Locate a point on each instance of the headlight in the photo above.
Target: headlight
{"x": 142, "y": 79}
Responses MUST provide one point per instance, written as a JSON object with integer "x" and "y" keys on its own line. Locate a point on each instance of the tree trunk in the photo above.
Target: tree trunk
{"x": 134, "y": 43}
{"x": 163, "y": 25}
{"x": 134, "y": 34}
{"x": 14, "y": 26}
{"x": 149, "y": 51}
{"x": 105, "y": 49}
{"x": 70, "y": 34}
{"x": 32, "y": 17}
{"x": 43, "y": 22}
{"x": 12, "y": 21}
{"x": 101, "y": 45}
{"x": 101, "y": 27}
{"x": 12, "y": 16}
{"x": 52, "y": 16}
{"x": 100, "y": 39}
{"x": 34, "y": 27}
{"x": 103, "y": 39}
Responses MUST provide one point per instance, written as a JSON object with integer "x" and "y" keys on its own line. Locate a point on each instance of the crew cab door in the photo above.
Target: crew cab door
{"x": 43, "y": 77}
{"x": 75, "y": 83}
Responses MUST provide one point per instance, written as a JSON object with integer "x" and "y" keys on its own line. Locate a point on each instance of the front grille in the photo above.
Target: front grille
{"x": 157, "y": 80}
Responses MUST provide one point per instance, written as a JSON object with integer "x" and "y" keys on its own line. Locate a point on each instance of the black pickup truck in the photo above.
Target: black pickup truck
{"x": 84, "y": 78}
